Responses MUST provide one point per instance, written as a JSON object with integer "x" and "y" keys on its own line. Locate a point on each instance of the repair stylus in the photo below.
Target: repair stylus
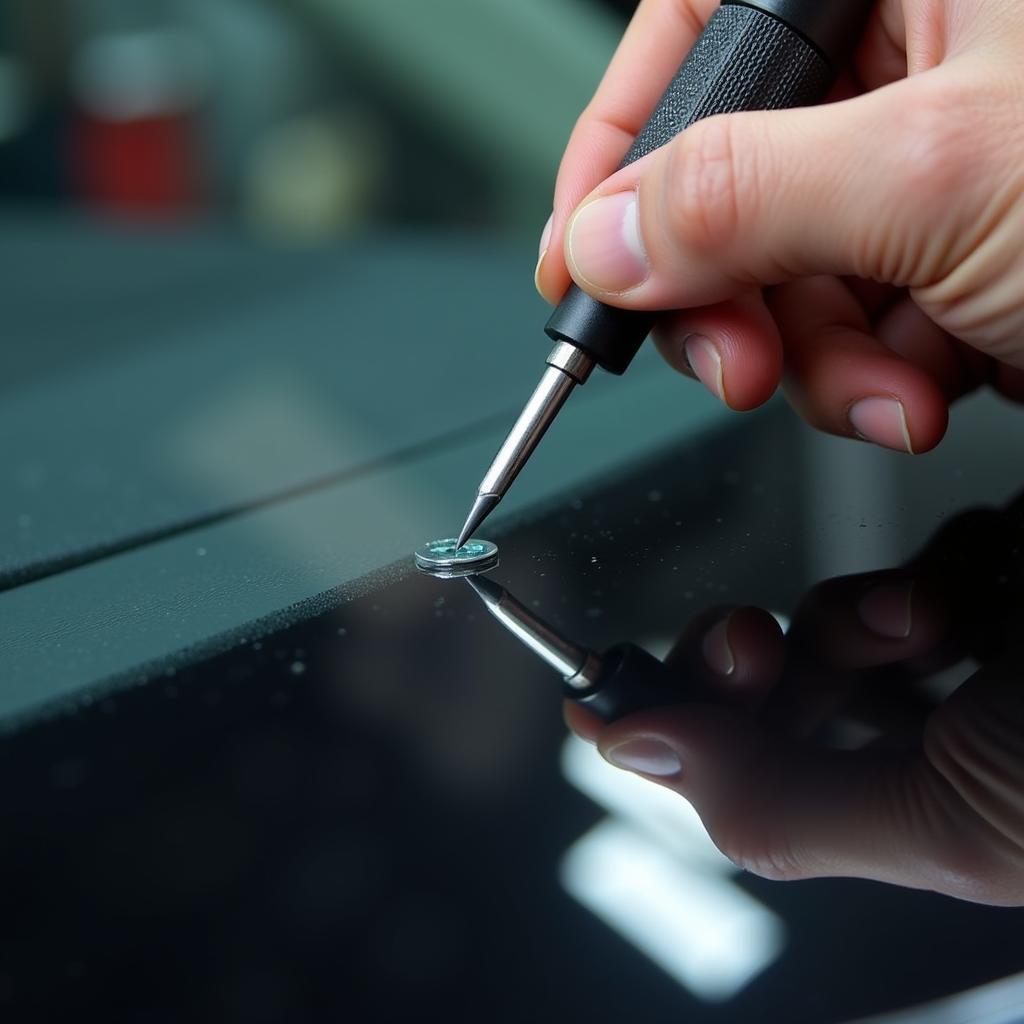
{"x": 752, "y": 55}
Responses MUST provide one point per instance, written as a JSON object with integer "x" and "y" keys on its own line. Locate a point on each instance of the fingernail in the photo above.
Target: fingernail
{"x": 545, "y": 241}
{"x": 706, "y": 363}
{"x": 883, "y": 421}
{"x": 604, "y": 244}
{"x": 647, "y": 755}
{"x": 885, "y": 610}
{"x": 717, "y": 651}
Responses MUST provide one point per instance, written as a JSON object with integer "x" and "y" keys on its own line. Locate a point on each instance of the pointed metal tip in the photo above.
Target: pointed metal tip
{"x": 487, "y": 590}
{"x": 482, "y": 508}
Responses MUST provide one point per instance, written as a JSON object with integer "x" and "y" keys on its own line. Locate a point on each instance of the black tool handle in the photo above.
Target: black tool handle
{"x": 630, "y": 680}
{"x": 761, "y": 55}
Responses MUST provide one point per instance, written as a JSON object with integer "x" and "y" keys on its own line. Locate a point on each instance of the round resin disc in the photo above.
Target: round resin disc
{"x": 441, "y": 556}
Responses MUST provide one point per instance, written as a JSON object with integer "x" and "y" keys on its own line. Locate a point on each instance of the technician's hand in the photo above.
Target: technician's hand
{"x": 933, "y": 795}
{"x": 889, "y": 224}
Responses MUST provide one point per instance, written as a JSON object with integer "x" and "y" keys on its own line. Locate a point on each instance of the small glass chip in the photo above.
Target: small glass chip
{"x": 442, "y": 558}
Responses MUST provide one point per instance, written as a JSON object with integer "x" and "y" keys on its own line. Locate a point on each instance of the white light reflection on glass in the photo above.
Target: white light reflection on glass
{"x": 652, "y": 875}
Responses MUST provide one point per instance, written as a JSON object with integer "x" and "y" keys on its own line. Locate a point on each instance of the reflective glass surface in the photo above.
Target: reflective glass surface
{"x": 268, "y": 310}
{"x": 377, "y": 813}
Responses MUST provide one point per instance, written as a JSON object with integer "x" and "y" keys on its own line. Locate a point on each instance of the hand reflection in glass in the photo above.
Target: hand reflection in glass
{"x": 832, "y": 750}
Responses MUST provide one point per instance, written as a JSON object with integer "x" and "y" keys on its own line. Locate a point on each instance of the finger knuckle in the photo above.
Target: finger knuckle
{"x": 934, "y": 144}
{"x": 923, "y": 810}
{"x": 766, "y": 855}
{"x": 926, "y": 147}
{"x": 949, "y": 747}
{"x": 776, "y": 864}
{"x": 966, "y": 868}
{"x": 958, "y": 746}
{"x": 705, "y": 187}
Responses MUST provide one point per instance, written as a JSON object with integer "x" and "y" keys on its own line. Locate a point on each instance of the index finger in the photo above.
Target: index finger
{"x": 660, "y": 35}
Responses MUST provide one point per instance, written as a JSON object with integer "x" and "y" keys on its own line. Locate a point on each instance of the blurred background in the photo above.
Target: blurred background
{"x": 209, "y": 207}
{"x": 300, "y": 120}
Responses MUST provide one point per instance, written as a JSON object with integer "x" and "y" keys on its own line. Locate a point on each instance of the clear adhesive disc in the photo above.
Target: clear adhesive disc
{"x": 441, "y": 558}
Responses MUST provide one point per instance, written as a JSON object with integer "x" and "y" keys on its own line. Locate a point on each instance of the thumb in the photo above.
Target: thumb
{"x": 786, "y": 811}
{"x": 873, "y": 187}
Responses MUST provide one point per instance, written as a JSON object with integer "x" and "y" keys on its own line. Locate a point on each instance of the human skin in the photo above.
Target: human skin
{"x": 866, "y": 254}
{"x": 933, "y": 798}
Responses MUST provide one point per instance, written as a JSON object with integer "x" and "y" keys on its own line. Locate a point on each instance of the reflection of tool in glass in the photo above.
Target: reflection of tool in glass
{"x": 622, "y": 680}
{"x": 752, "y": 55}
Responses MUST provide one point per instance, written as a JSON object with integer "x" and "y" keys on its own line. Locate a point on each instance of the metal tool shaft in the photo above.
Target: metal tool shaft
{"x": 567, "y": 367}
{"x": 624, "y": 679}
{"x": 578, "y": 666}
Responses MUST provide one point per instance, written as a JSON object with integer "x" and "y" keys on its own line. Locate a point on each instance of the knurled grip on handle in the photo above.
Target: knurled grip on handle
{"x": 744, "y": 60}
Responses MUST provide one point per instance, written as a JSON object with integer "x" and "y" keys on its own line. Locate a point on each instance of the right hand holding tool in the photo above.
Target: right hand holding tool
{"x": 888, "y": 224}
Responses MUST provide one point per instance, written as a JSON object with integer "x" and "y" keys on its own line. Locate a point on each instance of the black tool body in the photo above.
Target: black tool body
{"x": 762, "y": 55}
{"x": 630, "y": 680}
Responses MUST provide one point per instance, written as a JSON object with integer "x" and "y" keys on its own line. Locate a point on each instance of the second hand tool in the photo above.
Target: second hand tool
{"x": 752, "y": 55}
